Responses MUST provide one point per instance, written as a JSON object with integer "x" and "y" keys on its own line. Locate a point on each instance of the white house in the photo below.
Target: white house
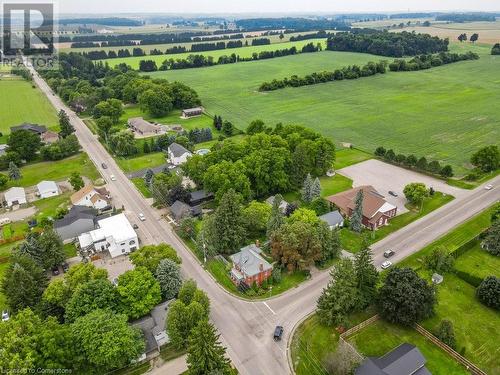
{"x": 178, "y": 154}
{"x": 90, "y": 196}
{"x": 114, "y": 234}
{"x": 15, "y": 196}
{"x": 47, "y": 189}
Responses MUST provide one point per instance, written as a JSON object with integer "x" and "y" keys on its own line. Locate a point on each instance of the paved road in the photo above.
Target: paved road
{"x": 246, "y": 328}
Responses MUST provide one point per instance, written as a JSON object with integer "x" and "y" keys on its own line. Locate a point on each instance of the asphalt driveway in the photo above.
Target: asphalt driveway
{"x": 387, "y": 177}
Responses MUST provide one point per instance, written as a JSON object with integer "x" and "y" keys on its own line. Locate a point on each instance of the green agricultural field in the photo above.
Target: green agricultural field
{"x": 59, "y": 170}
{"x": 436, "y": 112}
{"x": 381, "y": 337}
{"x": 242, "y": 52}
{"x": 20, "y": 102}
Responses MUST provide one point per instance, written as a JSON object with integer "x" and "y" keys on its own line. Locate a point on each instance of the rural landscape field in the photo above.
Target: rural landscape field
{"x": 258, "y": 188}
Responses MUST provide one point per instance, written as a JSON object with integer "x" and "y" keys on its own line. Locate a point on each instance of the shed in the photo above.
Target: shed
{"x": 47, "y": 189}
{"x": 192, "y": 112}
{"x": 334, "y": 219}
{"x": 437, "y": 278}
{"x": 15, "y": 196}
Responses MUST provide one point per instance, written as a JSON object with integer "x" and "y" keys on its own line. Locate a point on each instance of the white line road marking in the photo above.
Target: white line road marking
{"x": 269, "y": 308}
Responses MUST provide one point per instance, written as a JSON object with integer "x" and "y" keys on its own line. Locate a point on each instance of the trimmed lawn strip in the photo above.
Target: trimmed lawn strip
{"x": 136, "y": 163}
{"x": 140, "y": 184}
{"x": 168, "y": 352}
{"x": 70, "y": 250}
{"x": 454, "y": 239}
{"x": 329, "y": 186}
{"x": 59, "y": 170}
{"x": 478, "y": 262}
{"x": 353, "y": 242}
{"x": 349, "y": 156}
{"x": 381, "y": 337}
{"x": 472, "y": 184}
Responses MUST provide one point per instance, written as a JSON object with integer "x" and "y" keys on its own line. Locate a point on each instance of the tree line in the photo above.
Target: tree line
{"x": 386, "y": 43}
{"x": 421, "y": 62}
{"x": 319, "y": 34}
{"x": 198, "y": 61}
{"x": 291, "y": 23}
{"x": 411, "y": 161}
{"x": 466, "y": 17}
{"x": 348, "y": 72}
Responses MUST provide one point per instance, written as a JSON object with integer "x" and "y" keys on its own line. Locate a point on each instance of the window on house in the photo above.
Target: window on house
{"x": 132, "y": 242}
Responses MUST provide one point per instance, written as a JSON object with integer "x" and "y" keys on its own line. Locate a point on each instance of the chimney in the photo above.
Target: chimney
{"x": 261, "y": 267}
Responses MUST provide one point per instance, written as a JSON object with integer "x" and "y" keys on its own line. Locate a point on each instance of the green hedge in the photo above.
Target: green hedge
{"x": 468, "y": 278}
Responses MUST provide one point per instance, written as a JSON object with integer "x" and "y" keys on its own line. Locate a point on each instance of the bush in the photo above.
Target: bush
{"x": 446, "y": 333}
{"x": 277, "y": 275}
{"x": 489, "y": 292}
{"x": 468, "y": 278}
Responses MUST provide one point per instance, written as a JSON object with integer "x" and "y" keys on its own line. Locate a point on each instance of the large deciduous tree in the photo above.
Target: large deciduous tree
{"x": 156, "y": 101}
{"x": 487, "y": 159}
{"x": 415, "y": 192}
{"x": 405, "y": 298}
{"x": 150, "y": 256}
{"x": 65, "y": 124}
{"x": 488, "y": 292}
{"x": 168, "y": 275}
{"x": 25, "y": 143}
{"x": 255, "y": 217}
{"x": 491, "y": 242}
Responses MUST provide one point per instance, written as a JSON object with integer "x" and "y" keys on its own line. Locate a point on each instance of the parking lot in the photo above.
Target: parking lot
{"x": 387, "y": 177}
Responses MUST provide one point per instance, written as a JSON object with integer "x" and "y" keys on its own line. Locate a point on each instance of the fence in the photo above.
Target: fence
{"x": 459, "y": 358}
{"x": 359, "y": 327}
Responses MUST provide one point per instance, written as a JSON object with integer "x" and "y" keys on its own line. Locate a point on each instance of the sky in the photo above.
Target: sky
{"x": 272, "y": 6}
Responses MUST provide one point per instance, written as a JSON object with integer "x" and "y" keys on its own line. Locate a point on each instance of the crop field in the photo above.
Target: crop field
{"x": 19, "y": 103}
{"x": 242, "y": 52}
{"x": 434, "y": 113}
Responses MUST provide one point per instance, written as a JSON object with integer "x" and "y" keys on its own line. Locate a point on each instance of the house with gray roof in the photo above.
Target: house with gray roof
{"x": 333, "y": 219}
{"x": 153, "y": 329}
{"x": 180, "y": 210}
{"x": 200, "y": 196}
{"x": 283, "y": 204}
{"x": 178, "y": 154}
{"x": 406, "y": 359}
{"x": 144, "y": 128}
{"x": 34, "y": 128}
{"x": 78, "y": 220}
{"x": 249, "y": 266}
{"x": 192, "y": 112}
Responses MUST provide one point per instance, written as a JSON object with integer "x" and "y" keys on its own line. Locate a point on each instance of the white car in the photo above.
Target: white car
{"x": 142, "y": 217}
{"x": 488, "y": 187}
{"x": 5, "y": 316}
{"x": 386, "y": 265}
{"x": 113, "y": 178}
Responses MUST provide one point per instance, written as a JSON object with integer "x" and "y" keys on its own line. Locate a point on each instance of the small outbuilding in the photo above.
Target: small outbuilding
{"x": 47, "y": 189}
{"x": 333, "y": 219}
{"x": 192, "y": 112}
{"x": 15, "y": 196}
{"x": 437, "y": 278}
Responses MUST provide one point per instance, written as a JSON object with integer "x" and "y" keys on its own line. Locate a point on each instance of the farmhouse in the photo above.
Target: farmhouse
{"x": 178, "y": 154}
{"x": 192, "y": 112}
{"x": 333, "y": 219}
{"x": 406, "y": 359}
{"x": 34, "y": 128}
{"x": 47, "y": 189}
{"x": 78, "y": 220}
{"x": 15, "y": 196}
{"x": 249, "y": 266}
{"x": 90, "y": 196}
{"x": 144, "y": 128}
{"x": 114, "y": 234}
{"x": 376, "y": 210}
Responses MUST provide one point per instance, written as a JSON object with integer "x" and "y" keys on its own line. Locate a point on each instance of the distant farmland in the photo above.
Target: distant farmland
{"x": 445, "y": 113}
{"x": 242, "y": 52}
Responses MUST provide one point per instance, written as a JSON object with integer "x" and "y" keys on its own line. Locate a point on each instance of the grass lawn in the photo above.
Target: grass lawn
{"x": 242, "y": 52}
{"x": 476, "y": 326}
{"x": 329, "y": 186}
{"x": 461, "y": 183}
{"x": 22, "y": 103}
{"x": 349, "y": 156}
{"x": 353, "y": 242}
{"x": 70, "y": 250}
{"x": 434, "y": 112}
{"x": 154, "y": 159}
{"x": 312, "y": 342}
{"x": 141, "y": 186}
{"x": 59, "y": 170}
{"x": 47, "y": 207}
{"x": 478, "y": 262}
{"x": 381, "y": 337}
{"x": 454, "y": 239}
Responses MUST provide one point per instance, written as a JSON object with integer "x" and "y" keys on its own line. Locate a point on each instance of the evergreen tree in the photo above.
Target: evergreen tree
{"x": 307, "y": 189}
{"x": 65, "y": 124}
{"x": 206, "y": 355}
{"x": 14, "y": 172}
{"x": 315, "y": 189}
{"x": 446, "y": 333}
{"x": 146, "y": 147}
{"x": 276, "y": 219}
{"x": 148, "y": 177}
{"x": 366, "y": 276}
{"x": 357, "y": 215}
{"x": 168, "y": 276}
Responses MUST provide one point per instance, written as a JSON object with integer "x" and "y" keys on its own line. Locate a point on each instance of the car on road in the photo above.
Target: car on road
{"x": 142, "y": 217}
{"x": 278, "y": 333}
{"x": 55, "y": 271}
{"x": 488, "y": 187}
{"x": 113, "y": 178}
{"x": 394, "y": 194}
{"x": 135, "y": 226}
{"x": 104, "y": 166}
{"x": 5, "y": 316}
{"x": 389, "y": 253}
{"x": 386, "y": 264}
{"x": 65, "y": 267}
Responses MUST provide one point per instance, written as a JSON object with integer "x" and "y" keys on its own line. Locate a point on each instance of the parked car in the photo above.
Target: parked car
{"x": 278, "y": 333}
{"x": 55, "y": 271}
{"x": 142, "y": 217}
{"x": 488, "y": 187}
{"x": 5, "y": 221}
{"x": 394, "y": 194}
{"x": 65, "y": 267}
{"x": 386, "y": 265}
{"x": 113, "y": 178}
{"x": 104, "y": 166}
{"x": 5, "y": 316}
{"x": 389, "y": 253}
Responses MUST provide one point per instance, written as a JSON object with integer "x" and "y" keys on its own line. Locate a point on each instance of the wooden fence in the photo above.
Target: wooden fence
{"x": 359, "y": 327}
{"x": 471, "y": 367}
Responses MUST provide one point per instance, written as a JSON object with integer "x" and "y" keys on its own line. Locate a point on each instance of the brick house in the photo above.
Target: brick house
{"x": 377, "y": 212}
{"x": 249, "y": 266}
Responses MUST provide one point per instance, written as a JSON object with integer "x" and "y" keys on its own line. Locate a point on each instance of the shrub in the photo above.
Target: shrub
{"x": 277, "y": 275}
{"x": 489, "y": 292}
{"x": 446, "y": 333}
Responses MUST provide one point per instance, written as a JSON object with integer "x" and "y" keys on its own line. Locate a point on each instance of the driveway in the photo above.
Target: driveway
{"x": 387, "y": 177}
{"x": 18, "y": 215}
{"x": 114, "y": 266}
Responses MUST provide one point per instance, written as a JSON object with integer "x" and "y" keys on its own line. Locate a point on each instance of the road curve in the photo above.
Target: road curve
{"x": 246, "y": 327}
